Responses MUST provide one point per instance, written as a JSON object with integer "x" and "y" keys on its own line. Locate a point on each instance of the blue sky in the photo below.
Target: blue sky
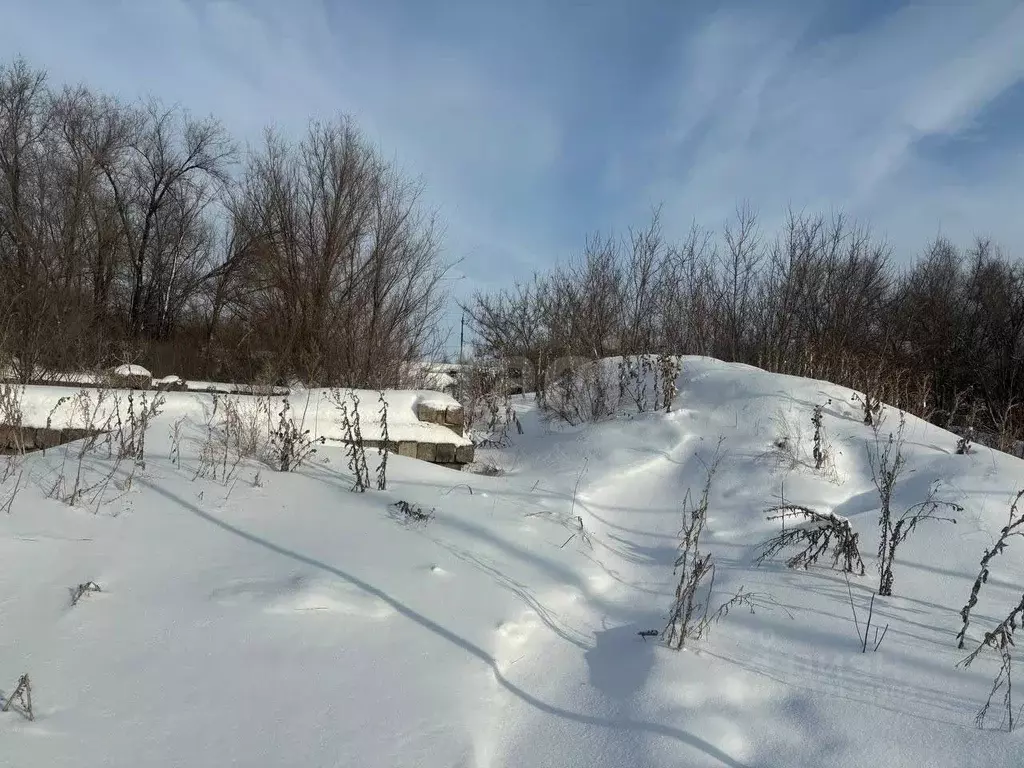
{"x": 535, "y": 123}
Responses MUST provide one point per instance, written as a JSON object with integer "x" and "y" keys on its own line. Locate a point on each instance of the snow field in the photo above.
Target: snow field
{"x": 292, "y": 622}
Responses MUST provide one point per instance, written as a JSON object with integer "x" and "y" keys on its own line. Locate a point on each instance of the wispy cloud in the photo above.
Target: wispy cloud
{"x": 534, "y": 123}
{"x": 795, "y": 117}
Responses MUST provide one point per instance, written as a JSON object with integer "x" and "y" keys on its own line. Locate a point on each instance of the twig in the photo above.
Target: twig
{"x": 467, "y": 486}
{"x": 78, "y": 592}
{"x": 23, "y": 694}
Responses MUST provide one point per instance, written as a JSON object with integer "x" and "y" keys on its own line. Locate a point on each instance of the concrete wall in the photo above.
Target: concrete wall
{"x": 25, "y": 439}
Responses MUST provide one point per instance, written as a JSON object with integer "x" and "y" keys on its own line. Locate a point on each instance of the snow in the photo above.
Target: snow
{"x": 197, "y": 385}
{"x": 171, "y": 380}
{"x": 442, "y": 377}
{"x": 315, "y": 409}
{"x": 402, "y": 424}
{"x": 132, "y": 370}
{"x": 282, "y": 620}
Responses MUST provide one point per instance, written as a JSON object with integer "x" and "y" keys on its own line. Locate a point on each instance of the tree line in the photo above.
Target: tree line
{"x": 136, "y": 232}
{"x": 942, "y": 337}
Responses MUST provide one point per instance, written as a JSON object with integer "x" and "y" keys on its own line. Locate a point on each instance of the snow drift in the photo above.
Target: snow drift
{"x": 279, "y": 619}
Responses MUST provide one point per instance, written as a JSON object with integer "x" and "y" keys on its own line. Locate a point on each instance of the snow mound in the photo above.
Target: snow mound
{"x": 132, "y": 370}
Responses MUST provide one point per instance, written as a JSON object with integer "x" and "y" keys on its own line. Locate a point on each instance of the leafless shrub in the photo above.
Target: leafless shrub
{"x": 20, "y": 699}
{"x": 668, "y": 373}
{"x": 385, "y": 442}
{"x": 1006, "y": 422}
{"x": 887, "y": 466}
{"x": 241, "y": 427}
{"x": 214, "y": 450}
{"x": 817, "y": 533}
{"x": 820, "y": 451}
{"x": 61, "y": 401}
{"x": 965, "y": 442}
{"x": 77, "y": 593}
{"x": 411, "y": 513}
{"x": 11, "y": 412}
{"x": 489, "y": 413}
{"x": 11, "y": 416}
{"x": 218, "y": 454}
{"x": 291, "y": 445}
{"x": 688, "y": 615}
{"x": 248, "y": 422}
{"x": 347, "y": 404}
{"x": 122, "y": 434}
{"x": 11, "y": 467}
{"x": 1000, "y": 639}
{"x": 879, "y": 637}
{"x": 789, "y": 450}
{"x": 580, "y": 531}
{"x": 634, "y": 381}
{"x": 7, "y": 501}
{"x": 581, "y": 392}
{"x": 174, "y": 455}
{"x": 130, "y": 431}
{"x": 871, "y": 406}
{"x": 1014, "y": 527}
{"x": 786, "y": 450}
{"x": 749, "y": 600}
{"x": 76, "y": 482}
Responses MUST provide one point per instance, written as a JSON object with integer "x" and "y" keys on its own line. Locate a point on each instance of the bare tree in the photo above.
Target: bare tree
{"x": 343, "y": 261}
{"x": 176, "y": 165}
{"x": 738, "y": 280}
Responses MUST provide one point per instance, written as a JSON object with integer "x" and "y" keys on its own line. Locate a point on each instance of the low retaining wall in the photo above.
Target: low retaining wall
{"x": 26, "y": 439}
{"x": 426, "y": 444}
{"x": 445, "y": 454}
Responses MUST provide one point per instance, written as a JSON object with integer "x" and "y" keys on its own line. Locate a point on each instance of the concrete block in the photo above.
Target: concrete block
{"x": 426, "y": 451}
{"x": 407, "y": 448}
{"x": 12, "y": 439}
{"x": 445, "y": 453}
{"x": 464, "y": 454}
{"x": 454, "y": 417}
{"x": 429, "y": 413}
{"x": 49, "y": 438}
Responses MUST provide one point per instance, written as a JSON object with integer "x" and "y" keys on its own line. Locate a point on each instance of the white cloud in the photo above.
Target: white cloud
{"x": 763, "y": 113}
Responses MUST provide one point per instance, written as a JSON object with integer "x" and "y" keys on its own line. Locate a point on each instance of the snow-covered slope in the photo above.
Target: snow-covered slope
{"x": 289, "y": 622}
